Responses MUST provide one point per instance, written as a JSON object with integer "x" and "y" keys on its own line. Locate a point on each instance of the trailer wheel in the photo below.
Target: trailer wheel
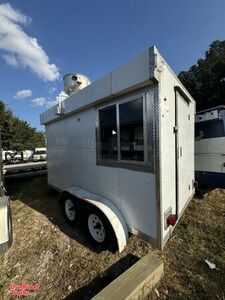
{"x": 99, "y": 228}
{"x": 71, "y": 210}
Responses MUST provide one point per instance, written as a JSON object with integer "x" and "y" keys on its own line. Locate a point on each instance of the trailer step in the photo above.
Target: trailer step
{"x": 136, "y": 283}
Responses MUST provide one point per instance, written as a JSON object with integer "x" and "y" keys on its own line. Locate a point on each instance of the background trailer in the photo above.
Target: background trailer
{"x": 210, "y": 147}
{"x": 124, "y": 145}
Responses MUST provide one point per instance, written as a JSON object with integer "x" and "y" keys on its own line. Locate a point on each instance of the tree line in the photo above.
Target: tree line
{"x": 17, "y": 134}
{"x": 205, "y": 80}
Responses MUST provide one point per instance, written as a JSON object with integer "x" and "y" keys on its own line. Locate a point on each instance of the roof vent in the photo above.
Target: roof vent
{"x": 73, "y": 83}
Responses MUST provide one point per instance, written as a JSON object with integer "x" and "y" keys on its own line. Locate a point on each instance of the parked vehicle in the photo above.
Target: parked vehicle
{"x": 121, "y": 152}
{"x": 5, "y": 213}
{"x": 7, "y": 155}
{"x": 210, "y": 147}
{"x": 39, "y": 154}
{"x": 27, "y": 155}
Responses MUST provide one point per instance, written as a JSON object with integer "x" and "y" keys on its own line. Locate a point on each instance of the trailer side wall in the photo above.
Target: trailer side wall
{"x": 72, "y": 161}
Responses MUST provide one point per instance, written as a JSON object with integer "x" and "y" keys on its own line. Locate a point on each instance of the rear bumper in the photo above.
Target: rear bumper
{"x": 6, "y": 235}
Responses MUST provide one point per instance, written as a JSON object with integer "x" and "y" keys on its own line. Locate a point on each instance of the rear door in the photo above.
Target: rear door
{"x": 184, "y": 149}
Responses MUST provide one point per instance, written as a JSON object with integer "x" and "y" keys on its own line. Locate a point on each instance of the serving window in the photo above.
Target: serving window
{"x": 121, "y": 132}
{"x": 131, "y": 130}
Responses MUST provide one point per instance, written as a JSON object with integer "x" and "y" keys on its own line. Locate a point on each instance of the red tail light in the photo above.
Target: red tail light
{"x": 171, "y": 220}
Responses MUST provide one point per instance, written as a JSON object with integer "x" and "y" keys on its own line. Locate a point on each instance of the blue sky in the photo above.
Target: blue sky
{"x": 40, "y": 41}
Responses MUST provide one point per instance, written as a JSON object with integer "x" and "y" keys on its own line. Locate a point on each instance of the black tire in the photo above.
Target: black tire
{"x": 106, "y": 236}
{"x": 71, "y": 210}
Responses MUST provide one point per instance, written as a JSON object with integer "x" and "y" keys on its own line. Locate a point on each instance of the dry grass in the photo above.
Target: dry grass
{"x": 199, "y": 236}
{"x": 48, "y": 252}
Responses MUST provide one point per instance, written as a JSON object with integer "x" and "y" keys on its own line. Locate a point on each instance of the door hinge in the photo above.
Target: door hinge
{"x": 175, "y": 129}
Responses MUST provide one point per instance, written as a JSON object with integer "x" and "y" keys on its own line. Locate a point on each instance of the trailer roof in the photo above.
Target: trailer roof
{"x": 220, "y": 107}
{"x": 137, "y": 73}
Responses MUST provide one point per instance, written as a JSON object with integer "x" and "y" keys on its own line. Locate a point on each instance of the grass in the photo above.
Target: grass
{"x": 49, "y": 252}
{"x": 199, "y": 236}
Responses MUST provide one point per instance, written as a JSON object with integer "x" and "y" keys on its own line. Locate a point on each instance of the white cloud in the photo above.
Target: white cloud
{"x": 38, "y": 101}
{"x": 21, "y": 49}
{"x": 50, "y": 103}
{"x": 41, "y": 101}
{"x": 10, "y": 59}
{"x": 51, "y": 90}
{"x": 13, "y": 15}
{"x": 23, "y": 94}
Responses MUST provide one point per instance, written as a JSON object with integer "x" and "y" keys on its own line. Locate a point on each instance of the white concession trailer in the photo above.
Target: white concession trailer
{"x": 121, "y": 151}
{"x": 210, "y": 147}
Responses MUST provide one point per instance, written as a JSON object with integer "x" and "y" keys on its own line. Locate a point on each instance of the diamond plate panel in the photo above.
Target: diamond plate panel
{"x": 150, "y": 127}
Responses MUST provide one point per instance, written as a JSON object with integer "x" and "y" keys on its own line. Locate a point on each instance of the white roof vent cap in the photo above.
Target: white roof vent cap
{"x": 75, "y": 82}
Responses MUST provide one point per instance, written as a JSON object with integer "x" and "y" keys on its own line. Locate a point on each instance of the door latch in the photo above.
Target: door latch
{"x": 180, "y": 151}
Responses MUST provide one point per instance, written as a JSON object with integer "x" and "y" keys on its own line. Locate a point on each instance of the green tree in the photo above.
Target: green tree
{"x": 206, "y": 80}
{"x": 17, "y": 134}
{"x": 6, "y": 126}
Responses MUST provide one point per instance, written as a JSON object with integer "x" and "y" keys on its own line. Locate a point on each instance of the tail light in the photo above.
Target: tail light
{"x": 171, "y": 220}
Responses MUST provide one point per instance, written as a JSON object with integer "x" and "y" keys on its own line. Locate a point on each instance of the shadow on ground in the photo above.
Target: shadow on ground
{"x": 97, "y": 284}
{"x": 35, "y": 192}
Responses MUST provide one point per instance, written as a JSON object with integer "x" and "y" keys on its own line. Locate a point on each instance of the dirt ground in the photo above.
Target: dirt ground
{"x": 48, "y": 252}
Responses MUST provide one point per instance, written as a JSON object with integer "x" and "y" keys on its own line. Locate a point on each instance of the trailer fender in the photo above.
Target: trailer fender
{"x": 6, "y": 236}
{"x": 110, "y": 211}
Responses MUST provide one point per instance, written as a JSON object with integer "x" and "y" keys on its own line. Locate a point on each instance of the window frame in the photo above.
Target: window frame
{"x": 207, "y": 123}
{"x": 121, "y": 162}
{"x": 99, "y": 134}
